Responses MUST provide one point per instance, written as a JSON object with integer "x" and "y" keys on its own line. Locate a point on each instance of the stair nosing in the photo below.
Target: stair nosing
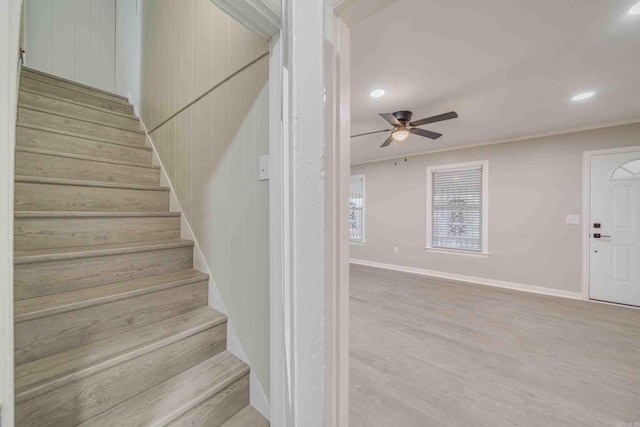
{"x": 80, "y": 104}
{"x": 91, "y": 214}
{"x": 80, "y": 119}
{"x": 80, "y": 136}
{"x": 83, "y": 157}
{"x": 211, "y": 391}
{"x": 85, "y": 183}
{"x": 135, "y": 352}
{"x": 62, "y": 79}
{"x": 95, "y": 251}
{"x": 196, "y": 277}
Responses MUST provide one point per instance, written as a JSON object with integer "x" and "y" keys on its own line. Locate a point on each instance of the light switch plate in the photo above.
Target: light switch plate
{"x": 573, "y": 219}
{"x": 263, "y": 165}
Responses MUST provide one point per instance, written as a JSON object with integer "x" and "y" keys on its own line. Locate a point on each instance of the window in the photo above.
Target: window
{"x": 356, "y": 209}
{"x": 457, "y": 207}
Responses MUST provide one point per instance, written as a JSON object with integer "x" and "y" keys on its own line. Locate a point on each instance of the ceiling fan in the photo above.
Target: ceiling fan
{"x": 403, "y": 126}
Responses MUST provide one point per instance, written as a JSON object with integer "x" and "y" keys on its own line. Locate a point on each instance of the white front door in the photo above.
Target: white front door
{"x": 614, "y": 239}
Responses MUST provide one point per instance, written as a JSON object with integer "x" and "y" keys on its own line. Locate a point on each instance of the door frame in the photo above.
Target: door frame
{"x": 586, "y": 215}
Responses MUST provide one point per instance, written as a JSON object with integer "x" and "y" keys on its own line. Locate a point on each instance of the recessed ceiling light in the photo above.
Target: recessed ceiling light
{"x": 635, "y": 9}
{"x": 582, "y": 96}
{"x": 377, "y": 93}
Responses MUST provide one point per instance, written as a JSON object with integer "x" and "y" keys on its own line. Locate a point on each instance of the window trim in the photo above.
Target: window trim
{"x": 364, "y": 208}
{"x": 485, "y": 208}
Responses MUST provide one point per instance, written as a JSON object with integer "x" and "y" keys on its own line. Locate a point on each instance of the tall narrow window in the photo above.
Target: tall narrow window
{"x": 457, "y": 207}
{"x": 356, "y": 209}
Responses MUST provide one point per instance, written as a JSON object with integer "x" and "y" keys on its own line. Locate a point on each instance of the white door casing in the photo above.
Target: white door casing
{"x": 614, "y": 267}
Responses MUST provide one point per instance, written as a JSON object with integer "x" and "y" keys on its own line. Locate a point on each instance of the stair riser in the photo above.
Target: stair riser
{"x": 34, "y": 138}
{"x": 49, "y": 335}
{"x": 26, "y": 81}
{"x": 216, "y": 410}
{"x": 58, "y": 197}
{"x": 48, "y": 166}
{"x": 61, "y": 82}
{"x": 76, "y": 402}
{"x": 44, "y": 233}
{"x": 51, "y": 277}
{"x": 79, "y": 127}
{"x": 63, "y": 107}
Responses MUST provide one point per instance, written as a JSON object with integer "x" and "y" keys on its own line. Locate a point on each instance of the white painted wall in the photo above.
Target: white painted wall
{"x": 127, "y": 49}
{"x": 533, "y": 184}
{"x": 9, "y": 41}
{"x": 73, "y": 39}
{"x": 209, "y": 142}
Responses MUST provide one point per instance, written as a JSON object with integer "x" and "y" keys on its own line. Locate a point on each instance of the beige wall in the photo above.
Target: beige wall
{"x": 533, "y": 184}
{"x": 210, "y": 150}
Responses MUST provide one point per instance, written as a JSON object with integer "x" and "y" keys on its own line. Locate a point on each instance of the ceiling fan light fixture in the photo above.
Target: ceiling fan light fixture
{"x": 400, "y": 134}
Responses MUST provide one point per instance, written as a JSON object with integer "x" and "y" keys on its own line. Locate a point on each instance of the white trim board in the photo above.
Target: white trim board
{"x": 257, "y": 397}
{"x": 472, "y": 279}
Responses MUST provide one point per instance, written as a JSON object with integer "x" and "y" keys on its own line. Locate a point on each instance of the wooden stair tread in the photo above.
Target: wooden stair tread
{"x": 248, "y": 417}
{"x": 88, "y": 158}
{"x": 83, "y": 136}
{"x": 167, "y": 401}
{"x": 30, "y": 71}
{"x": 71, "y": 101}
{"x": 81, "y": 119}
{"x": 83, "y": 183}
{"x": 74, "y": 252}
{"x": 90, "y": 214}
{"x": 41, "y": 376}
{"x": 48, "y": 305}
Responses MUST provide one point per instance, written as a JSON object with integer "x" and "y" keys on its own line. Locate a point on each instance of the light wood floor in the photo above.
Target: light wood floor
{"x": 432, "y": 352}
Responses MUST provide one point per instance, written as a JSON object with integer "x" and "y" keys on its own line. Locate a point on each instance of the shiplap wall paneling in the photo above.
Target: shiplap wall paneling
{"x": 210, "y": 149}
{"x": 73, "y": 39}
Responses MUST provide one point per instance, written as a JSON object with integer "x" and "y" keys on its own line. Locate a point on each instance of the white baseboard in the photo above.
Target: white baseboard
{"x": 257, "y": 396}
{"x": 472, "y": 279}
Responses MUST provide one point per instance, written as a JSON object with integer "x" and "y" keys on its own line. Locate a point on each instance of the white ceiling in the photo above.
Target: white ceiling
{"x": 508, "y": 67}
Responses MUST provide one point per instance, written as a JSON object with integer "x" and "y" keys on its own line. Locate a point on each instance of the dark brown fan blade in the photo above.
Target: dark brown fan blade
{"x": 387, "y": 142}
{"x": 426, "y": 133}
{"x": 390, "y": 118}
{"x": 369, "y": 133}
{"x": 440, "y": 117}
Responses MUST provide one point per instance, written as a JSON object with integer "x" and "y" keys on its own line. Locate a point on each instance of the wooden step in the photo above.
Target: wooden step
{"x": 62, "y": 82}
{"x": 248, "y": 417}
{"x": 43, "y": 230}
{"x": 66, "y": 142}
{"x": 36, "y": 100}
{"x": 222, "y": 382}
{"x": 51, "y": 271}
{"x": 56, "y": 323}
{"x": 28, "y": 82}
{"x": 68, "y": 388}
{"x": 47, "y": 194}
{"x": 60, "y": 122}
{"x": 51, "y": 164}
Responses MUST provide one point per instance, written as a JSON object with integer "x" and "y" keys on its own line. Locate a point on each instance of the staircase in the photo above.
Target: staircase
{"x": 112, "y": 326}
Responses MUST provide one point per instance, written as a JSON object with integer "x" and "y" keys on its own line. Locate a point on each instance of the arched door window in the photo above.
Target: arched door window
{"x": 628, "y": 170}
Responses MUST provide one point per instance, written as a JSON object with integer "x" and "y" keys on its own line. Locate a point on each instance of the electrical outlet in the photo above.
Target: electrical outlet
{"x": 396, "y": 250}
{"x": 572, "y": 219}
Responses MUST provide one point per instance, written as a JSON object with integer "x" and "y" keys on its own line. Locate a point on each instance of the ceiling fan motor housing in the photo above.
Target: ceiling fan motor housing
{"x": 403, "y": 117}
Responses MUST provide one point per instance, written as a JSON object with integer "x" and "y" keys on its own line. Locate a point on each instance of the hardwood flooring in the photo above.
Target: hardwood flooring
{"x": 434, "y": 352}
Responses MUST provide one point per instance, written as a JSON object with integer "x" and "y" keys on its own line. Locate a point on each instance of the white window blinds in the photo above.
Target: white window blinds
{"x": 457, "y": 208}
{"x": 356, "y": 209}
